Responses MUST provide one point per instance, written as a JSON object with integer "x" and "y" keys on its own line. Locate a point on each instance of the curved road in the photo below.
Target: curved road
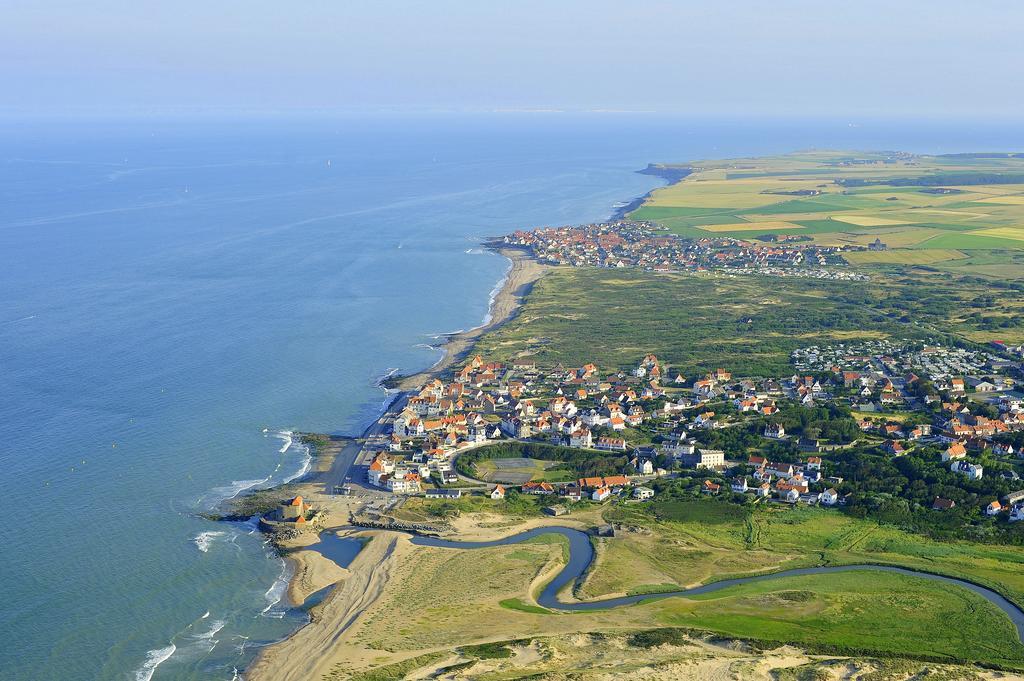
{"x": 581, "y": 554}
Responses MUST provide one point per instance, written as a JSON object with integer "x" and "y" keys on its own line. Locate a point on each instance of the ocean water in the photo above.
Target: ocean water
{"x": 171, "y": 288}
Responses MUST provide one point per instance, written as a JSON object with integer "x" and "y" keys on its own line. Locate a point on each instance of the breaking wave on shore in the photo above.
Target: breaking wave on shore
{"x": 275, "y": 593}
{"x": 219, "y": 495}
{"x": 154, "y": 658}
{"x": 204, "y": 540}
{"x": 493, "y": 296}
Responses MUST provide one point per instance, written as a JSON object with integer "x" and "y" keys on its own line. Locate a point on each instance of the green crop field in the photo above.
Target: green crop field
{"x": 852, "y": 198}
{"x": 910, "y": 257}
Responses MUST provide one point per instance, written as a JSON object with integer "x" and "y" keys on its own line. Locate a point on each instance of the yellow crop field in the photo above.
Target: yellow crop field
{"x": 785, "y": 217}
{"x": 1015, "y": 233}
{"x": 697, "y": 192}
{"x": 904, "y": 256}
{"x": 751, "y": 226}
{"x": 990, "y": 189}
{"x": 1011, "y": 200}
{"x": 868, "y": 220}
{"x": 937, "y": 211}
{"x": 899, "y": 237}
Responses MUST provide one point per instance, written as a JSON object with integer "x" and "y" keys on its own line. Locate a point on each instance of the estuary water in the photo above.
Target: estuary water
{"x": 178, "y": 295}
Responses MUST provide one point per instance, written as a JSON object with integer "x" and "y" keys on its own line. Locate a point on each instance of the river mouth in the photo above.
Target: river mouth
{"x": 581, "y": 555}
{"x": 338, "y": 549}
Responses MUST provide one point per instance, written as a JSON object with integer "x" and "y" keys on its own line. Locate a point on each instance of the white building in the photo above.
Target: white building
{"x": 973, "y": 471}
{"x": 643, "y": 493}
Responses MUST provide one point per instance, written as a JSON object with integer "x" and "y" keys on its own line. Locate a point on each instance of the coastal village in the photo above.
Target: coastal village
{"x": 927, "y": 429}
{"x": 628, "y": 243}
{"x": 597, "y": 434}
{"x": 658, "y": 424}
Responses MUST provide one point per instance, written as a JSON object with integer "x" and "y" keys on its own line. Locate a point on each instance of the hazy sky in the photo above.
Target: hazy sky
{"x": 862, "y": 57}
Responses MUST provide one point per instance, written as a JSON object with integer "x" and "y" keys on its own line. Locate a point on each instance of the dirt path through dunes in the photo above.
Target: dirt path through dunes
{"x": 307, "y": 653}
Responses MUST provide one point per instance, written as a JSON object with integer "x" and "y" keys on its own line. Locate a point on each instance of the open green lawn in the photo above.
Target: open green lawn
{"x": 517, "y": 471}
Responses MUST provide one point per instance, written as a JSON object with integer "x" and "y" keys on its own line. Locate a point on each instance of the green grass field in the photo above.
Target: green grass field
{"x": 489, "y": 593}
{"x": 746, "y": 324}
{"x": 705, "y": 543}
{"x": 520, "y": 470}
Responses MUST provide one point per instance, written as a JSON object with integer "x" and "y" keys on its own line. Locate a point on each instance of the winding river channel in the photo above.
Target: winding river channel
{"x": 581, "y": 555}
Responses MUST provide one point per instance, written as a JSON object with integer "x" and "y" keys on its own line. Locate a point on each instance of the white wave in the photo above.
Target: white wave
{"x": 386, "y": 375}
{"x": 154, "y": 658}
{"x": 203, "y": 540}
{"x": 493, "y": 297}
{"x": 237, "y": 487}
{"x": 275, "y": 593}
{"x": 286, "y": 437}
{"x": 307, "y": 460}
{"x": 475, "y": 251}
{"x": 215, "y": 627}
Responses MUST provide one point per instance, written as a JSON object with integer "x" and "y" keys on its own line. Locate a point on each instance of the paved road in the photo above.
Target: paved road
{"x": 349, "y": 465}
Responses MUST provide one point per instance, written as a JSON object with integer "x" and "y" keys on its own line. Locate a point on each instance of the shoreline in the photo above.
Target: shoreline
{"x": 507, "y": 299}
{"x": 524, "y": 271}
{"x": 307, "y": 566}
{"x": 671, "y": 175}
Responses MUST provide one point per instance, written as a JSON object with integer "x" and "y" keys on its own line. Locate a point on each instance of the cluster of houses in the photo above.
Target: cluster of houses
{"x": 629, "y": 243}
{"x": 598, "y": 488}
{"x": 786, "y": 482}
{"x": 587, "y": 408}
{"x": 579, "y": 407}
{"x": 958, "y": 429}
{"x": 1012, "y": 505}
{"x": 488, "y": 401}
{"x": 866, "y": 364}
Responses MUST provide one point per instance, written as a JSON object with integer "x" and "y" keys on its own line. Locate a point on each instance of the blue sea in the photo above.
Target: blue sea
{"x": 178, "y": 294}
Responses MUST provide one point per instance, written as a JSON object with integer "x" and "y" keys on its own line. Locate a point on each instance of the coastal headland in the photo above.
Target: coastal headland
{"x": 361, "y": 583}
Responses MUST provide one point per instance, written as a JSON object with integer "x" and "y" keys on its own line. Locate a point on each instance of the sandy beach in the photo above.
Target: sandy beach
{"x": 522, "y": 275}
{"x": 313, "y": 650}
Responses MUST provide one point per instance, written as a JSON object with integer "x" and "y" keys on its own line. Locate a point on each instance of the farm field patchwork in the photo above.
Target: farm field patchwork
{"x": 868, "y": 220}
{"x": 1009, "y": 200}
{"x": 850, "y": 198}
{"x": 767, "y": 225}
{"x": 1015, "y": 233}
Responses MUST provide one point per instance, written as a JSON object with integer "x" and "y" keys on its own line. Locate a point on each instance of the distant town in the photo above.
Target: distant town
{"x": 628, "y": 243}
